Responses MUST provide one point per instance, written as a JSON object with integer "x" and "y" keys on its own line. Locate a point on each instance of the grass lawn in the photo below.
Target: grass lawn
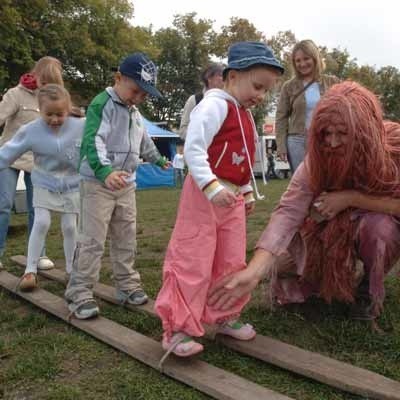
{"x": 43, "y": 358}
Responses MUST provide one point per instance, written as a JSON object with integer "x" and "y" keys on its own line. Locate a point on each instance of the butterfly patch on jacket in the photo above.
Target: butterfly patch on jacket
{"x": 237, "y": 159}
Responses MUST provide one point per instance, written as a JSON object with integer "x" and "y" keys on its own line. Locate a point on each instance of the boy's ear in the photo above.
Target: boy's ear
{"x": 118, "y": 76}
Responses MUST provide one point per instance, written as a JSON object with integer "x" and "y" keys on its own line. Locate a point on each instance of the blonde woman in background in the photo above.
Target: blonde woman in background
{"x": 18, "y": 107}
{"x": 298, "y": 98}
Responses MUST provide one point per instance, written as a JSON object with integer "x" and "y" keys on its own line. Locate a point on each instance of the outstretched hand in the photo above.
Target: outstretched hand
{"x": 228, "y": 290}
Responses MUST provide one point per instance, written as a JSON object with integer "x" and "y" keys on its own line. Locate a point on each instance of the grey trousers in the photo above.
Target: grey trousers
{"x": 104, "y": 210}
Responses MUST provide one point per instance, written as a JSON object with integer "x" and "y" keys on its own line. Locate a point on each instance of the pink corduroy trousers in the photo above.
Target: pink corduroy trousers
{"x": 207, "y": 243}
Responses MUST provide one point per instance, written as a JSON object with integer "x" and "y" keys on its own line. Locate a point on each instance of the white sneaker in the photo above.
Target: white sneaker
{"x": 1, "y": 265}
{"x": 45, "y": 263}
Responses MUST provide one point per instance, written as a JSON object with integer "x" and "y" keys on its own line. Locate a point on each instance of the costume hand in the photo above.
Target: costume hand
{"x": 250, "y": 207}
{"x": 116, "y": 181}
{"x": 224, "y": 198}
{"x": 282, "y": 156}
{"x": 330, "y": 204}
{"x": 228, "y": 290}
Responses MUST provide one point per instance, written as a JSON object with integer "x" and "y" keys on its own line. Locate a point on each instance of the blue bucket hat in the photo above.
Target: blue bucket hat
{"x": 242, "y": 55}
{"x": 143, "y": 71}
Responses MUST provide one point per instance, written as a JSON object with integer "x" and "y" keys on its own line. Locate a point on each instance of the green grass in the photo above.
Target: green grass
{"x": 43, "y": 358}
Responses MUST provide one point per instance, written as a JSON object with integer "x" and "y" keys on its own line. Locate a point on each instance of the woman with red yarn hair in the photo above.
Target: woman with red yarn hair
{"x": 335, "y": 233}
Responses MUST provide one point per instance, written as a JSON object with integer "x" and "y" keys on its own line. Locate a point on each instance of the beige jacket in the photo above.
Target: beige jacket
{"x": 18, "y": 107}
{"x": 293, "y": 121}
{"x": 189, "y": 105}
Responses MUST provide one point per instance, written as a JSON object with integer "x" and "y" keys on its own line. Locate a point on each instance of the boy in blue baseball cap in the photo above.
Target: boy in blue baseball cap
{"x": 114, "y": 139}
{"x": 209, "y": 238}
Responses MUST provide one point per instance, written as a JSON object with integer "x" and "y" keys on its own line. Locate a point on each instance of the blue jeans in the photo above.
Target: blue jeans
{"x": 8, "y": 187}
{"x": 296, "y": 150}
{"x": 179, "y": 177}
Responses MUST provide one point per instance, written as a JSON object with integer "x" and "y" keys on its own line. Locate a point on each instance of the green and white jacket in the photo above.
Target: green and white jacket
{"x": 114, "y": 138}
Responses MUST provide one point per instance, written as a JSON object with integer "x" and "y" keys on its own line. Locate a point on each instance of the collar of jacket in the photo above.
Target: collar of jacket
{"x": 116, "y": 99}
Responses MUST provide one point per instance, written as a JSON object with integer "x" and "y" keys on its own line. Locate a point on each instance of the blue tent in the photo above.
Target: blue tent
{"x": 149, "y": 175}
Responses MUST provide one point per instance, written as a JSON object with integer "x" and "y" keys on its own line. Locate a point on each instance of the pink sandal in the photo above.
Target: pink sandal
{"x": 182, "y": 345}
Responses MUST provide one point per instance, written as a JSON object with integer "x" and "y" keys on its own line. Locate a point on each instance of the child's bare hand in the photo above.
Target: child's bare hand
{"x": 224, "y": 198}
{"x": 115, "y": 180}
{"x": 166, "y": 165}
{"x": 250, "y": 207}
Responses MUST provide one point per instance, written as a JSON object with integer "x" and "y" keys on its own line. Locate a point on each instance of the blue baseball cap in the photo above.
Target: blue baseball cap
{"x": 142, "y": 70}
{"x": 242, "y": 55}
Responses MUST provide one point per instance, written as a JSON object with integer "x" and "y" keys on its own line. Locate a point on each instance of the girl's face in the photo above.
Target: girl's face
{"x": 250, "y": 87}
{"x": 304, "y": 64}
{"x": 54, "y": 112}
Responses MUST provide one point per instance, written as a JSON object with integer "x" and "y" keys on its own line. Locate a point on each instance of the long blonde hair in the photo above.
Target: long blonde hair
{"x": 48, "y": 70}
{"x": 309, "y": 48}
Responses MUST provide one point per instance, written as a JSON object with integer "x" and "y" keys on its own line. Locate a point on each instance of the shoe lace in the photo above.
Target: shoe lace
{"x": 126, "y": 295}
{"x": 177, "y": 339}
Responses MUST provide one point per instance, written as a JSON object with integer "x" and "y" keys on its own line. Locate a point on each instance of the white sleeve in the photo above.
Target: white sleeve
{"x": 206, "y": 120}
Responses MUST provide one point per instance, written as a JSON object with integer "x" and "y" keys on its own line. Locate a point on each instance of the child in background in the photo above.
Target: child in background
{"x": 178, "y": 163}
{"x": 114, "y": 139}
{"x": 18, "y": 107}
{"x": 209, "y": 238}
{"x": 54, "y": 139}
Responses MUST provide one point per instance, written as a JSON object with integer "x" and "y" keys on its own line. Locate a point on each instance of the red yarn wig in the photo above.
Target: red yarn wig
{"x": 370, "y": 159}
{"x": 369, "y": 162}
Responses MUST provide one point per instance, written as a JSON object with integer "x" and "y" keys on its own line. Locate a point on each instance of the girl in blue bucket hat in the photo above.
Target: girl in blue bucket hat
{"x": 209, "y": 238}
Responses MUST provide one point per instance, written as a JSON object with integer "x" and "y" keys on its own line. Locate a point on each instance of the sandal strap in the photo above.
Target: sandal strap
{"x": 238, "y": 325}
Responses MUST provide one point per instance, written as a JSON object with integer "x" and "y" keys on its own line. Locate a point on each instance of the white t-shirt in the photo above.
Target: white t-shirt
{"x": 178, "y": 161}
{"x": 312, "y": 96}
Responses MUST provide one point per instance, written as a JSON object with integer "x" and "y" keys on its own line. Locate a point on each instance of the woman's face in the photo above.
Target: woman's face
{"x": 304, "y": 64}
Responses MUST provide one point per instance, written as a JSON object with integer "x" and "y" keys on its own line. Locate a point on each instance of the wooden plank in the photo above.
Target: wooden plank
{"x": 312, "y": 365}
{"x": 211, "y": 380}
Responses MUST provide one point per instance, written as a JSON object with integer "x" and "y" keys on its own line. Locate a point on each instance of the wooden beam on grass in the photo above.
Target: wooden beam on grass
{"x": 312, "y": 365}
{"x": 200, "y": 375}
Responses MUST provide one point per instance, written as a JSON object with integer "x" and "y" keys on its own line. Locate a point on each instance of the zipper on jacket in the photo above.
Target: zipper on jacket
{"x": 129, "y": 138}
{"x": 221, "y": 155}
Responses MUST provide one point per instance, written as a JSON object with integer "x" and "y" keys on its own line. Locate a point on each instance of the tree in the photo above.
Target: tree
{"x": 338, "y": 62}
{"x": 239, "y": 30}
{"x": 388, "y": 83}
{"x": 17, "y": 21}
{"x": 88, "y": 36}
{"x": 282, "y": 44}
{"x": 184, "y": 52}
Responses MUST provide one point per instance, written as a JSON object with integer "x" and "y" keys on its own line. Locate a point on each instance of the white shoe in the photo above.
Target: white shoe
{"x": 1, "y": 265}
{"x": 45, "y": 263}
